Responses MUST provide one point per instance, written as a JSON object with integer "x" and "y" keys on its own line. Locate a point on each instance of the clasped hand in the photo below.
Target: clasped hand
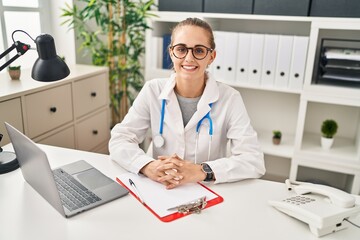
{"x": 173, "y": 171}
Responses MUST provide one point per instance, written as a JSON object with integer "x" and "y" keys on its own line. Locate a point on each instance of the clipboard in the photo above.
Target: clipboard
{"x": 190, "y": 198}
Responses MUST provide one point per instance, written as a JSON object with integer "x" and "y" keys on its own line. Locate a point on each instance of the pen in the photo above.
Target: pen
{"x": 137, "y": 191}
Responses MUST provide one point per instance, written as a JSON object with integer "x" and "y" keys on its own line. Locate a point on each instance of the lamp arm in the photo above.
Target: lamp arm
{"x": 7, "y": 51}
{"x": 21, "y": 49}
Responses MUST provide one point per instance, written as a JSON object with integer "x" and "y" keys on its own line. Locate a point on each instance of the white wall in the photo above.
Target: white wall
{"x": 64, "y": 38}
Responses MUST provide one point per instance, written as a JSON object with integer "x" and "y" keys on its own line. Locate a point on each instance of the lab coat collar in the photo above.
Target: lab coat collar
{"x": 210, "y": 95}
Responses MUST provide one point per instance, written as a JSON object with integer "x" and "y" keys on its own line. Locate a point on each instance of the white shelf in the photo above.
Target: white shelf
{"x": 259, "y": 87}
{"x": 284, "y": 149}
{"x": 343, "y": 150}
{"x": 297, "y": 113}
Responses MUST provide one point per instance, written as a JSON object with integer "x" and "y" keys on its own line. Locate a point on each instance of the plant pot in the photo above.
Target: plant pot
{"x": 15, "y": 74}
{"x": 276, "y": 141}
{"x": 326, "y": 143}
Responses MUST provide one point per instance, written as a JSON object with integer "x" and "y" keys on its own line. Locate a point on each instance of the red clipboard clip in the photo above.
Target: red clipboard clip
{"x": 192, "y": 207}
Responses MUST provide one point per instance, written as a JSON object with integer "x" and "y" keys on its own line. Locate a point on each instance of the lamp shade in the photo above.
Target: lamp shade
{"x": 48, "y": 67}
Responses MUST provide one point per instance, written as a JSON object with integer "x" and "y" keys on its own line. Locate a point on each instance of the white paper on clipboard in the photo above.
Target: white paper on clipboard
{"x": 160, "y": 199}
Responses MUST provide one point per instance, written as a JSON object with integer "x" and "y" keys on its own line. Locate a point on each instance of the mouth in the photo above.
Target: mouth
{"x": 189, "y": 67}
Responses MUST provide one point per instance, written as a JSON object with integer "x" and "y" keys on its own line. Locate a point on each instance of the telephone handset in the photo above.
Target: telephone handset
{"x": 322, "y": 207}
{"x": 336, "y": 196}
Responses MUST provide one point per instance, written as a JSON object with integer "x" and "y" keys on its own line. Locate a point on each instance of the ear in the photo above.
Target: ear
{"x": 171, "y": 54}
{"x": 212, "y": 57}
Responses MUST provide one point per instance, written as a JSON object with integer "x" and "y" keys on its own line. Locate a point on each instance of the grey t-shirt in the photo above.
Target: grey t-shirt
{"x": 188, "y": 107}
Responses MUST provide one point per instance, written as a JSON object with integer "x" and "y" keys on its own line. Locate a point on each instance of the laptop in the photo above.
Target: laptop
{"x": 70, "y": 189}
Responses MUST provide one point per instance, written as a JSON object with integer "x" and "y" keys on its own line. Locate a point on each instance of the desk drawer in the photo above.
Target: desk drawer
{"x": 65, "y": 138}
{"x": 93, "y": 131}
{"x": 10, "y": 111}
{"x": 90, "y": 94}
{"x": 48, "y": 109}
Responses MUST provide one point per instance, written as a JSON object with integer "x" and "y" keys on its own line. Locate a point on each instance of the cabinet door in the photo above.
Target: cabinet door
{"x": 93, "y": 131}
{"x": 48, "y": 109}
{"x": 10, "y": 111}
{"x": 90, "y": 94}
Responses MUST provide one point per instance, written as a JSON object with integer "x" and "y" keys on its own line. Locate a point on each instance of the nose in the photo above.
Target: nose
{"x": 189, "y": 57}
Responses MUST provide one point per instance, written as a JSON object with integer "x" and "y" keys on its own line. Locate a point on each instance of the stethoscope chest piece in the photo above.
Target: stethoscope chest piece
{"x": 159, "y": 141}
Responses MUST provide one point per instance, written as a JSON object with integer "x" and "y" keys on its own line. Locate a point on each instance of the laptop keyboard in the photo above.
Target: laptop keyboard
{"x": 72, "y": 193}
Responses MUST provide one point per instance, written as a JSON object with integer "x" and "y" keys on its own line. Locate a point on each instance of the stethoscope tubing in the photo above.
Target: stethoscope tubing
{"x": 198, "y": 126}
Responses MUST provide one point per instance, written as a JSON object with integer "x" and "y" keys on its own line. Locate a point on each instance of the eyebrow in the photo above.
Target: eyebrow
{"x": 197, "y": 45}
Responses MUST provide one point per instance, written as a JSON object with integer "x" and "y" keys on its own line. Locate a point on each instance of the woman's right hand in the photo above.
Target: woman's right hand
{"x": 151, "y": 170}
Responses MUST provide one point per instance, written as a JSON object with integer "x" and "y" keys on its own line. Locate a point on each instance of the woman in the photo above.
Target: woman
{"x": 192, "y": 118}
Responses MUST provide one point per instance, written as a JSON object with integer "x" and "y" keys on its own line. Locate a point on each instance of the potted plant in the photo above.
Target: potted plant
{"x": 328, "y": 129}
{"x": 276, "y": 137}
{"x": 15, "y": 72}
{"x": 114, "y": 33}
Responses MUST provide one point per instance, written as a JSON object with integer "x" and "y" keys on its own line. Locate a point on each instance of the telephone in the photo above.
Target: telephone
{"x": 322, "y": 207}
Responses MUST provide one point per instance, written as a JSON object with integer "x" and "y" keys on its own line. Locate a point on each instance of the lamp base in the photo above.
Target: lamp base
{"x": 8, "y": 162}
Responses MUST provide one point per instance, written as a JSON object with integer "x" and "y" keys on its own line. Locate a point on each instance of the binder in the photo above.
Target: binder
{"x": 231, "y": 45}
{"x": 225, "y": 61}
{"x": 271, "y": 44}
{"x": 298, "y": 62}
{"x": 218, "y": 65}
{"x": 256, "y": 56}
{"x": 167, "y": 205}
{"x": 166, "y": 60}
{"x": 283, "y": 61}
{"x": 243, "y": 56}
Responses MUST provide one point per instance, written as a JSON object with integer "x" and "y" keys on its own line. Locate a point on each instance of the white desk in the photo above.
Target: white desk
{"x": 244, "y": 214}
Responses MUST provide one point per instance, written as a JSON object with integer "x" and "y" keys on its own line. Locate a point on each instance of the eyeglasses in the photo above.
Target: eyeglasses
{"x": 199, "y": 51}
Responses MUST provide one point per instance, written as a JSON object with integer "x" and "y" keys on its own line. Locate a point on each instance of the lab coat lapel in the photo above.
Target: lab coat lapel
{"x": 173, "y": 117}
{"x": 210, "y": 95}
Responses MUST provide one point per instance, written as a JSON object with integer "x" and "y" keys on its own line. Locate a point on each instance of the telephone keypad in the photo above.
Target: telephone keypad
{"x": 299, "y": 200}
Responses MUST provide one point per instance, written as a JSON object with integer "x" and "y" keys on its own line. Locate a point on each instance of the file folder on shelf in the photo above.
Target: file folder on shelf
{"x": 224, "y": 66}
{"x": 217, "y": 67}
{"x": 231, "y": 45}
{"x": 298, "y": 62}
{"x": 271, "y": 44}
{"x": 168, "y": 205}
{"x": 283, "y": 61}
{"x": 243, "y": 56}
{"x": 166, "y": 60}
{"x": 256, "y": 56}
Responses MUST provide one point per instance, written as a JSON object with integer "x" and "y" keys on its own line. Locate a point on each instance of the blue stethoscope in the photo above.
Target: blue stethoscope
{"x": 159, "y": 141}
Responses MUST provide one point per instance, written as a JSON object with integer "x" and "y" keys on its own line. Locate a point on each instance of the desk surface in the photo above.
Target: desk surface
{"x": 244, "y": 214}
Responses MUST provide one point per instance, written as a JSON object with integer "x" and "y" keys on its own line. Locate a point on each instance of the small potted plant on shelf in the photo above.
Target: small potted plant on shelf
{"x": 328, "y": 129}
{"x": 276, "y": 137}
{"x": 15, "y": 72}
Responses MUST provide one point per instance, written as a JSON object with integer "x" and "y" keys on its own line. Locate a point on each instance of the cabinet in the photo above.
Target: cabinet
{"x": 72, "y": 113}
{"x": 297, "y": 112}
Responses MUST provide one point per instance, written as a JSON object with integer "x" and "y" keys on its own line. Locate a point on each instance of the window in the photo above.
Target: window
{"x": 32, "y": 16}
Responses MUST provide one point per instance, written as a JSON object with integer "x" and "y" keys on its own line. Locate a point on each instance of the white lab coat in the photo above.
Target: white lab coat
{"x": 230, "y": 123}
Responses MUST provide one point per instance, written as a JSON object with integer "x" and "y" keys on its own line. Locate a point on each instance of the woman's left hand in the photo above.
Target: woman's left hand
{"x": 174, "y": 166}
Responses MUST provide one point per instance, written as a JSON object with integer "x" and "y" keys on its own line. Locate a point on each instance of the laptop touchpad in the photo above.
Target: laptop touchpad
{"x": 93, "y": 179}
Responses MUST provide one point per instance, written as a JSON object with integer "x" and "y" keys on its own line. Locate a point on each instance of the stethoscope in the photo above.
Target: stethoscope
{"x": 159, "y": 141}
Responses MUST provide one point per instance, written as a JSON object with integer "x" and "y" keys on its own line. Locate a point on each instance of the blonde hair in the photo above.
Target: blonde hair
{"x": 198, "y": 23}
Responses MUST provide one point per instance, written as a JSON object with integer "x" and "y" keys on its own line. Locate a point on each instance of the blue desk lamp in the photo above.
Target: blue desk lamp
{"x": 48, "y": 67}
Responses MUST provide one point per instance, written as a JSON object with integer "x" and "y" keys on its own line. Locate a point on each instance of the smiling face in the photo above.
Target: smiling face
{"x": 189, "y": 69}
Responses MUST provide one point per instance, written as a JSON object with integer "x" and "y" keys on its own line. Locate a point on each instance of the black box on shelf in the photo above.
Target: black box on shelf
{"x": 228, "y": 6}
{"x": 181, "y": 5}
{"x": 282, "y": 7}
{"x": 335, "y": 8}
{"x": 338, "y": 63}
